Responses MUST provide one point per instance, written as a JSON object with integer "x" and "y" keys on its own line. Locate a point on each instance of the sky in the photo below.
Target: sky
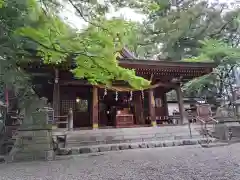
{"x": 127, "y": 13}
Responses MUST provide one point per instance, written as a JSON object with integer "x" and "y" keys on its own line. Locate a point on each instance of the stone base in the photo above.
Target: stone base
{"x": 32, "y": 144}
{"x": 126, "y": 146}
{"x": 222, "y": 131}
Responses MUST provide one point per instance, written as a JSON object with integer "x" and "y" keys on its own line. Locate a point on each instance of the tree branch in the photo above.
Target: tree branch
{"x": 61, "y": 51}
{"x": 80, "y": 12}
{"x": 212, "y": 35}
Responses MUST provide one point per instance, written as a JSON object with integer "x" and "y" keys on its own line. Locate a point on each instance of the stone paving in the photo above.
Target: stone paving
{"x": 173, "y": 163}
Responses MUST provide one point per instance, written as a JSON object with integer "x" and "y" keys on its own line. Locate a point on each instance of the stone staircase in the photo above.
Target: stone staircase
{"x": 102, "y": 140}
{"x": 128, "y": 135}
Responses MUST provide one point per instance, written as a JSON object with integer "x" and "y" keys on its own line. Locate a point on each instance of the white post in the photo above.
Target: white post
{"x": 70, "y": 120}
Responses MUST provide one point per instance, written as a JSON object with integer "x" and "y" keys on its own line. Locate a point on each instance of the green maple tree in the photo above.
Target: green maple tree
{"x": 219, "y": 83}
{"x": 93, "y": 50}
{"x": 15, "y": 15}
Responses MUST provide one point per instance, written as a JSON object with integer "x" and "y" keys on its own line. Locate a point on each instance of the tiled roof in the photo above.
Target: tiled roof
{"x": 126, "y": 53}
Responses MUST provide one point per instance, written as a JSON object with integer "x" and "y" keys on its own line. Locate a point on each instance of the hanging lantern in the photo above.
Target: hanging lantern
{"x": 77, "y": 100}
{"x": 116, "y": 97}
{"x": 142, "y": 94}
{"x": 131, "y": 94}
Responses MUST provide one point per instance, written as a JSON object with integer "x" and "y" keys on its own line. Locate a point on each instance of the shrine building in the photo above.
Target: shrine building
{"x": 118, "y": 106}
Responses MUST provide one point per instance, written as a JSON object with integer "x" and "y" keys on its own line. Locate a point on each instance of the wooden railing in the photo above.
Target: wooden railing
{"x": 204, "y": 125}
{"x": 67, "y": 120}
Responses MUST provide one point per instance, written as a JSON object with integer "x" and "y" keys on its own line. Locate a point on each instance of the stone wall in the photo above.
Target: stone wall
{"x": 32, "y": 144}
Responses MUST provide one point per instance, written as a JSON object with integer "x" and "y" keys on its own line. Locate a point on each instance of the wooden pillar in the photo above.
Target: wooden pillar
{"x": 56, "y": 96}
{"x": 180, "y": 104}
{"x": 95, "y": 108}
{"x": 151, "y": 104}
{"x": 138, "y": 106}
{"x": 165, "y": 104}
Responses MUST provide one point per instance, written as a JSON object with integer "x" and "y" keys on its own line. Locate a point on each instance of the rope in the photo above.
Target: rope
{"x": 127, "y": 89}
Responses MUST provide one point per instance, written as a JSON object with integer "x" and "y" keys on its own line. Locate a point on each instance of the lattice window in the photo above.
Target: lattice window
{"x": 80, "y": 106}
{"x": 67, "y": 104}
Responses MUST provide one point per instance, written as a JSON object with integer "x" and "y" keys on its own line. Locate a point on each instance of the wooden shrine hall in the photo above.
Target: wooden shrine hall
{"x": 98, "y": 107}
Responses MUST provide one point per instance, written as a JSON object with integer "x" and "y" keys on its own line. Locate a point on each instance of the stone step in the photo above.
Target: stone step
{"x": 70, "y": 134}
{"x": 113, "y": 140}
{"x": 125, "y": 136}
{"x": 129, "y": 131}
{"x": 125, "y": 146}
{"x": 187, "y": 136}
{"x": 216, "y": 144}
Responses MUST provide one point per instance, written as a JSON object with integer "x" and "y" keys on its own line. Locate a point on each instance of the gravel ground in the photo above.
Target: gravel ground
{"x": 175, "y": 163}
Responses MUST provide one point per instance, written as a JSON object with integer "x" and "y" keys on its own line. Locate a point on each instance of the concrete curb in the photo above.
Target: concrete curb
{"x": 125, "y": 146}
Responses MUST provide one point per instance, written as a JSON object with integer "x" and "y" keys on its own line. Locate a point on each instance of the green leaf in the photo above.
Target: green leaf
{"x": 1, "y": 3}
{"x": 94, "y": 49}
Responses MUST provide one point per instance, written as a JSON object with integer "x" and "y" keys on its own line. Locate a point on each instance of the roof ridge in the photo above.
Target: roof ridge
{"x": 126, "y": 53}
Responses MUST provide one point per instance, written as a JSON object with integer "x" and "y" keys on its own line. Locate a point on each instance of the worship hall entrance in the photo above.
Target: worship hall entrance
{"x": 116, "y": 109}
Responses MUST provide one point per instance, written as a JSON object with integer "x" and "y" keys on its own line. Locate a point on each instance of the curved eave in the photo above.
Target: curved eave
{"x": 186, "y": 70}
